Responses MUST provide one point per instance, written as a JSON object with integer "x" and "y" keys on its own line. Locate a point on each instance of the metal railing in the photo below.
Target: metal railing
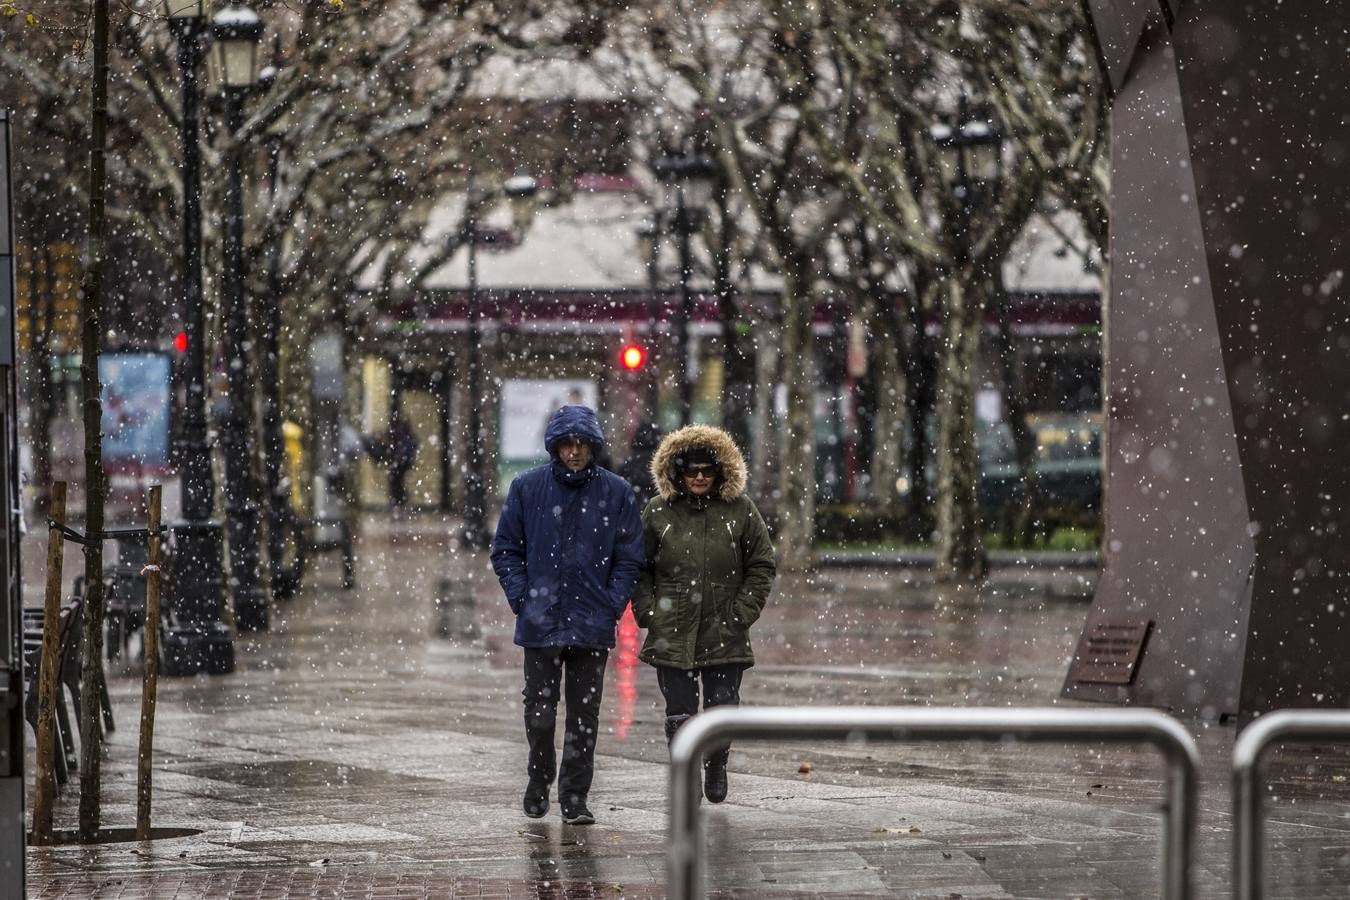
{"x": 1249, "y": 754}
{"x": 913, "y": 724}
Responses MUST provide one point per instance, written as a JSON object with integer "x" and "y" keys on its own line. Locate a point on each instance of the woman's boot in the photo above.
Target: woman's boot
{"x": 715, "y": 775}
{"x": 673, "y": 724}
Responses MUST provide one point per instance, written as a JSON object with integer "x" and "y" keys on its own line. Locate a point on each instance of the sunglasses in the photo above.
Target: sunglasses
{"x": 705, "y": 471}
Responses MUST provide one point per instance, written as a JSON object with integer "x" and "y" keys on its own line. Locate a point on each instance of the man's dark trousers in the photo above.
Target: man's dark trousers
{"x": 580, "y": 671}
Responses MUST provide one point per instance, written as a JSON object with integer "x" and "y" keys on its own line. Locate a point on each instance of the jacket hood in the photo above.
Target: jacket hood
{"x": 578, "y": 420}
{"x": 728, "y": 456}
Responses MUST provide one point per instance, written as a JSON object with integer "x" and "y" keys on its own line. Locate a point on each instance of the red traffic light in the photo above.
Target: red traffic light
{"x": 633, "y": 357}
{"x": 180, "y": 342}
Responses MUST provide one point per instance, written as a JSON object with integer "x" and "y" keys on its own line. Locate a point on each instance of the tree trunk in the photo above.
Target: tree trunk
{"x": 738, "y": 365}
{"x": 888, "y": 418}
{"x": 1017, "y": 519}
{"x": 763, "y": 448}
{"x": 920, "y": 393}
{"x": 42, "y": 312}
{"x": 797, "y": 474}
{"x": 91, "y": 404}
{"x": 960, "y": 547}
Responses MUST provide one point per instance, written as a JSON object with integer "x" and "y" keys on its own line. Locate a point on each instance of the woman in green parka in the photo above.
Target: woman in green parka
{"x": 709, "y": 571}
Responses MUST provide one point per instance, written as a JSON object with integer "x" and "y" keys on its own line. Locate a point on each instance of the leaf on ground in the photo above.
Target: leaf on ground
{"x": 805, "y": 768}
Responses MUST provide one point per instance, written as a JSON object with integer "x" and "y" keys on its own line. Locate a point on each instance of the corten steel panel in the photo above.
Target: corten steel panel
{"x": 1228, "y": 196}
{"x": 1119, "y": 25}
{"x": 1266, "y": 91}
{"x": 1176, "y": 545}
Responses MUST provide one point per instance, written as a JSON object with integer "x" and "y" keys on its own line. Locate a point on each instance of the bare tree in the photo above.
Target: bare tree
{"x": 376, "y": 117}
{"x": 721, "y": 70}
{"x": 91, "y": 405}
{"x": 902, "y": 82}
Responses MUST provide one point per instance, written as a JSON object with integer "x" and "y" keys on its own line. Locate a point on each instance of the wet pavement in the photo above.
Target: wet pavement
{"x": 356, "y": 754}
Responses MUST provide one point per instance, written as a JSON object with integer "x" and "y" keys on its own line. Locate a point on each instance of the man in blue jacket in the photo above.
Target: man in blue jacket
{"x": 568, "y": 552}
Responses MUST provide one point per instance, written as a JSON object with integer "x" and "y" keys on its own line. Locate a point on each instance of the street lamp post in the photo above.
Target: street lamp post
{"x": 688, "y": 179}
{"x": 974, "y": 152}
{"x": 649, "y": 245}
{"x": 520, "y": 189}
{"x": 971, "y": 152}
{"x": 237, "y": 30}
{"x": 196, "y": 640}
{"x": 283, "y": 581}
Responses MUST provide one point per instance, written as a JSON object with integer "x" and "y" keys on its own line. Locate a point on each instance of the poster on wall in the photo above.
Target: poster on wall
{"x": 526, "y": 405}
{"x": 135, "y": 410}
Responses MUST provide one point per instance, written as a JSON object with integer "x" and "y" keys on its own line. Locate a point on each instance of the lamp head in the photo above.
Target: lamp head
{"x": 236, "y": 31}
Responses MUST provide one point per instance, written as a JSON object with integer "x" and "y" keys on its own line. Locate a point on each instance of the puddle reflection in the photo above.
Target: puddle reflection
{"x": 561, "y": 863}
{"x": 625, "y": 661}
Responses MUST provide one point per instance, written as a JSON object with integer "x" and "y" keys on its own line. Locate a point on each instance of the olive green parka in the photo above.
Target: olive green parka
{"x": 710, "y": 563}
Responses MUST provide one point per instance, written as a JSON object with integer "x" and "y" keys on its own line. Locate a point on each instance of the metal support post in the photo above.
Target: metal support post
{"x": 1249, "y": 755}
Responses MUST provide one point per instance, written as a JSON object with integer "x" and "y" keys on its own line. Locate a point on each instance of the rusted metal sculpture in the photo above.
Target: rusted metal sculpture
{"x": 1227, "y": 545}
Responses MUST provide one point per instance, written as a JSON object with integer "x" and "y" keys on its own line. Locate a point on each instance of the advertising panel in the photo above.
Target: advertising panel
{"x": 135, "y": 410}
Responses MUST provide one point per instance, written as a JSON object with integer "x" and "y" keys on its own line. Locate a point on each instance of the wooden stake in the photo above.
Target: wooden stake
{"x": 148, "y": 689}
{"x": 48, "y": 665}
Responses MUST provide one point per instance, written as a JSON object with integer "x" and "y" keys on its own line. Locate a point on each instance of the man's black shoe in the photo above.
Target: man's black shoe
{"x": 536, "y": 799}
{"x": 577, "y": 814}
{"x": 715, "y": 778}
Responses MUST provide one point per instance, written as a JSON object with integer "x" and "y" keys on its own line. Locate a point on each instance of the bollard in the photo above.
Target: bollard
{"x": 455, "y": 611}
{"x": 913, "y": 724}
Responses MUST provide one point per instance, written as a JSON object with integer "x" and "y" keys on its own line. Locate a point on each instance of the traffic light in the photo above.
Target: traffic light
{"x": 633, "y": 357}
{"x": 180, "y": 342}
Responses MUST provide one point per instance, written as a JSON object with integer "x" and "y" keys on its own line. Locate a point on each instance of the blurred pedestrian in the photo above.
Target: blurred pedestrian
{"x": 568, "y": 554}
{"x": 637, "y": 468}
{"x": 710, "y": 567}
{"x": 401, "y": 445}
{"x": 343, "y": 470}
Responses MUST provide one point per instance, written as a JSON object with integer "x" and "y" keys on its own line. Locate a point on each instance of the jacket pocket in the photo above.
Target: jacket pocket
{"x": 538, "y": 603}
{"x": 666, "y": 628}
{"x": 723, "y": 599}
{"x": 743, "y": 612}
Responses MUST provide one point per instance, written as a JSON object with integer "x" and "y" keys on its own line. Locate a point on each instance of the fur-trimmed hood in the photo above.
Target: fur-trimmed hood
{"x": 734, "y": 474}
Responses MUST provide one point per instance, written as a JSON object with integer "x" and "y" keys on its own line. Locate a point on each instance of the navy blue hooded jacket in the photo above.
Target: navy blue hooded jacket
{"x": 569, "y": 548}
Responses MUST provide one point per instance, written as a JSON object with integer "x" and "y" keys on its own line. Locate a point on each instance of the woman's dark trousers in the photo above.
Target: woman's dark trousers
{"x": 580, "y": 672}
{"x": 721, "y": 687}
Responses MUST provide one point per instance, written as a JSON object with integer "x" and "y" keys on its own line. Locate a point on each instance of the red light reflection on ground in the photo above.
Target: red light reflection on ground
{"x": 625, "y": 672}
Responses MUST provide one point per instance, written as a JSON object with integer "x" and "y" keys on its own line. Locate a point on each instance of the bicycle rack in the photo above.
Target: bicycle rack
{"x": 1249, "y": 753}
{"x": 913, "y": 724}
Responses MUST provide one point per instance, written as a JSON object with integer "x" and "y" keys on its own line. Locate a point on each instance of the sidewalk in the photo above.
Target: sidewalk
{"x": 353, "y": 754}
